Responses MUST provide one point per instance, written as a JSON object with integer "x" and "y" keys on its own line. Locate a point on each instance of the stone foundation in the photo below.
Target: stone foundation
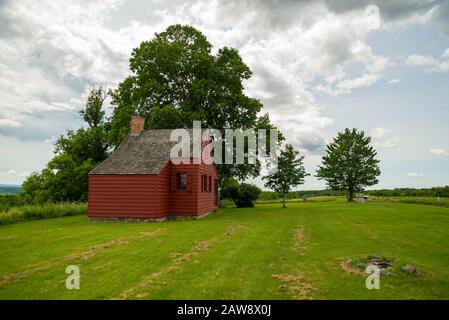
{"x": 145, "y": 220}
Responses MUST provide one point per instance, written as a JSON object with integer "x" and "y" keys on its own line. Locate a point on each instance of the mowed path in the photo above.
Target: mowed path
{"x": 260, "y": 253}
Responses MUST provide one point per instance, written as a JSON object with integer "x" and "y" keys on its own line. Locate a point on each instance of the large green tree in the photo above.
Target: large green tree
{"x": 65, "y": 177}
{"x": 290, "y": 172}
{"x": 176, "y": 79}
{"x": 350, "y": 163}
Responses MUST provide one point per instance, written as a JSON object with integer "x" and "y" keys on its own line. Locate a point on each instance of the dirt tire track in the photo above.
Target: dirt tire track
{"x": 294, "y": 283}
{"x": 10, "y": 278}
{"x": 178, "y": 259}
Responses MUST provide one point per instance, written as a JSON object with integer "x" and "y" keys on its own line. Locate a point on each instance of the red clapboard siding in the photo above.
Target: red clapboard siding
{"x": 152, "y": 196}
{"x": 122, "y": 196}
{"x": 184, "y": 202}
{"x": 163, "y": 192}
{"x": 206, "y": 198}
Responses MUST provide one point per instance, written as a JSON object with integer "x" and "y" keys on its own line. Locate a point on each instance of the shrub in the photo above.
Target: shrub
{"x": 43, "y": 211}
{"x": 8, "y": 201}
{"x": 247, "y": 194}
{"x": 242, "y": 194}
{"x": 229, "y": 188}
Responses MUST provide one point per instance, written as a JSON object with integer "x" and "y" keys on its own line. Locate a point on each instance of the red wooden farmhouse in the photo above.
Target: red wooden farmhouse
{"x": 139, "y": 181}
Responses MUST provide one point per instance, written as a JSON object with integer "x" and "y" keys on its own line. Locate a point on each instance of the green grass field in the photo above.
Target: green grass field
{"x": 260, "y": 253}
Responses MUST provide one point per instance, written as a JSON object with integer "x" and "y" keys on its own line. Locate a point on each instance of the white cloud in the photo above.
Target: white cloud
{"x": 49, "y": 51}
{"x": 13, "y": 173}
{"x": 418, "y": 60}
{"x": 315, "y": 45}
{"x": 288, "y": 47}
{"x": 383, "y": 138}
{"x": 433, "y": 64}
{"x": 10, "y": 123}
{"x": 20, "y": 158}
{"x": 394, "y": 81}
{"x": 439, "y": 152}
{"x": 414, "y": 174}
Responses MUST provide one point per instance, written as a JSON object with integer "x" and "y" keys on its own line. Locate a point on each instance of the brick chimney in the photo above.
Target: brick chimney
{"x": 137, "y": 125}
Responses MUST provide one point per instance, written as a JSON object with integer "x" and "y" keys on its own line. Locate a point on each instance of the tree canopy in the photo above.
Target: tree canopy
{"x": 350, "y": 163}
{"x": 290, "y": 172}
{"x": 176, "y": 79}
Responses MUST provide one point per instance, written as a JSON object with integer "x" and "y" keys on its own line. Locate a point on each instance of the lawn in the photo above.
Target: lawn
{"x": 260, "y": 253}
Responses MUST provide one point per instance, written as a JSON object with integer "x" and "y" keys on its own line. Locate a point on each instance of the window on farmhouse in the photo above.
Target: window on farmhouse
{"x": 204, "y": 183}
{"x": 182, "y": 181}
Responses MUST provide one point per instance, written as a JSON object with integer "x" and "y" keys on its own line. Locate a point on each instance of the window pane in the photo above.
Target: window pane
{"x": 182, "y": 181}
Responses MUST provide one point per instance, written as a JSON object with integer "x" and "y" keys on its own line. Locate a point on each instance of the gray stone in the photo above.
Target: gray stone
{"x": 409, "y": 268}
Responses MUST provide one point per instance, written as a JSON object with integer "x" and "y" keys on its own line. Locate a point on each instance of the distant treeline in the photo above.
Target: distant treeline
{"x": 10, "y": 189}
{"x": 411, "y": 192}
{"x": 399, "y": 192}
{"x": 269, "y": 195}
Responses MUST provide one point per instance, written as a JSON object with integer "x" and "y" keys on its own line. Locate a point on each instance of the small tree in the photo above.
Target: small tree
{"x": 93, "y": 112}
{"x": 65, "y": 178}
{"x": 349, "y": 163}
{"x": 290, "y": 172}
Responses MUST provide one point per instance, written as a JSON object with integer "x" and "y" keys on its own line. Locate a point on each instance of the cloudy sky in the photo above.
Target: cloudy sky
{"x": 318, "y": 67}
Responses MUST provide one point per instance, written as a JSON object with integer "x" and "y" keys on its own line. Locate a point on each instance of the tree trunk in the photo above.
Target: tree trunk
{"x": 283, "y": 201}
{"x": 350, "y": 195}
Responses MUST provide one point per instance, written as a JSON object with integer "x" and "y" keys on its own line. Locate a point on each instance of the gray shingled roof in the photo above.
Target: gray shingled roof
{"x": 142, "y": 154}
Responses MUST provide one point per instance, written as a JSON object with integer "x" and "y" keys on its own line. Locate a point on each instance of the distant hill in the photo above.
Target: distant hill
{"x": 10, "y": 188}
